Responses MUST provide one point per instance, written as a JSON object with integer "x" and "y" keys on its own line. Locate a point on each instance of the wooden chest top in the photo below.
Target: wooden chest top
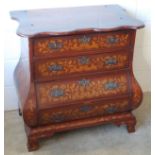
{"x": 65, "y": 21}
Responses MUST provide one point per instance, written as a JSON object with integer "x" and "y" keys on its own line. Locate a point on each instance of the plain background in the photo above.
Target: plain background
{"x": 142, "y": 55}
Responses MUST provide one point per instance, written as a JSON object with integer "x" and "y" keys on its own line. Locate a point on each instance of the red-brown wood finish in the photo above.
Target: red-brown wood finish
{"x": 79, "y": 65}
{"x": 75, "y": 20}
{"x": 76, "y": 76}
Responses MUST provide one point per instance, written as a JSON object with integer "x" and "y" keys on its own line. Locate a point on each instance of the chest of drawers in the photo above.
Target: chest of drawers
{"x": 78, "y": 70}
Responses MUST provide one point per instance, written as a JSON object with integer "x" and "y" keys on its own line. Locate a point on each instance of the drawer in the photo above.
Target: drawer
{"x": 67, "y": 91}
{"x": 83, "y": 110}
{"x": 60, "y": 67}
{"x": 58, "y": 45}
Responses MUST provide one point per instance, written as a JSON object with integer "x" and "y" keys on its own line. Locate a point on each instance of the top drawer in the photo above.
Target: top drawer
{"x": 58, "y": 45}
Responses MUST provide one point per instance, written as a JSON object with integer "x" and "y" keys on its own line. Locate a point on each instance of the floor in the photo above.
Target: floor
{"x": 99, "y": 140}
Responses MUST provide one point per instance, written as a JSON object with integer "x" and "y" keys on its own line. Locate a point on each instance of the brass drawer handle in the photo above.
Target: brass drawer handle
{"x": 85, "y": 108}
{"x": 84, "y": 82}
{"x": 55, "y": 67}
{"x": 112, "y": 40}
{"x": 85, "y": 39}
{"x": 84, "y": 60}
{"x": 111, "y": 61}
{"x": 111, "y": 85}
{"x": 111, "y": 110}
{"x": 55, "y": 45}
{"x": 57, "y": 92}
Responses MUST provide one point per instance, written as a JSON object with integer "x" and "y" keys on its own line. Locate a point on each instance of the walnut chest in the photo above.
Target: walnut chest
{"x": 76, "y": 69}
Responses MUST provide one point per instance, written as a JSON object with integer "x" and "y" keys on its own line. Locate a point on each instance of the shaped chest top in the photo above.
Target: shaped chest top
{"x": 65, "y": 21}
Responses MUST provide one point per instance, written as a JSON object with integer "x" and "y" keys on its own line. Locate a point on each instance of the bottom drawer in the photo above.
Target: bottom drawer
{"x": 83, "y": 110}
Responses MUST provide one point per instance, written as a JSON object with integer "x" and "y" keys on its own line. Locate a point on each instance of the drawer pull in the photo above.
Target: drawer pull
{"x": 111, "y": 61}
{"x": 112, "y": 40}
{"x": 84, "y": 60}
{"x": 84, "y": 82}
{"x": 58, "y": 118}
{"x": 84, "y": 39}
{"x": 55, "y": 67}
{"x": 57, "y": 92}
{"x": 111, "y": 110}
{"x": 85, "y": 108}
{"x": 55, "y": 45}
{"x": 111, "y": 85}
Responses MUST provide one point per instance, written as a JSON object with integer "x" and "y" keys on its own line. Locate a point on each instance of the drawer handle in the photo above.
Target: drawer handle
{"x": 111, "y": 110}
{"x": 58, "y": 118}
{"x": 111, "y": 61}
{"x": 84, "y": 60}
{"x": 55, "y": 45}
{"x": 84, "y": 82}
{"x": 112, "y": 40}
{"x": 57, "y": 92}
{"x": 85, "y": 108}
{"x": 55, "y": 67}
{"x": 85, "y": 39}
{"x": 111, "y": 85}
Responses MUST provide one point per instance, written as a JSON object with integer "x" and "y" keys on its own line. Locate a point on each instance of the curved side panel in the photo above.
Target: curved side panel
{"x": 30, "y": 109}
{"x": 137, "y": 93}
{"x": 26, "y": 91}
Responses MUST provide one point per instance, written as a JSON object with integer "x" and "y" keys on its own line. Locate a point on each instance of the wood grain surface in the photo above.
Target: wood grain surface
{"x": 72, "y": 20}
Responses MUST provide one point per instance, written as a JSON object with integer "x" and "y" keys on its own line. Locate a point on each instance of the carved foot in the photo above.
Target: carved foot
{"x": 32, "y": 144}
{"x": 131, "y": 124}
{"x": 19, "y": 112}
{"x": 130, "y": 127}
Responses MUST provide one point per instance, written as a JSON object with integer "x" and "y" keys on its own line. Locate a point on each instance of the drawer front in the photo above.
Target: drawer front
{"x": 53, "y": 68}
{"x": 51, "y": 93}
{"x": 81, "y": 43}
{"x": 84, "y": 110}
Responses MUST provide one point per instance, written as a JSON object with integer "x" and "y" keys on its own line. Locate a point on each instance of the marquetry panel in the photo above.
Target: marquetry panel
{"x": 80, "y": 43}
{"x": 84, "y": 110}
{"x": 53, "y": 68}
{"x": 82, "y": 88}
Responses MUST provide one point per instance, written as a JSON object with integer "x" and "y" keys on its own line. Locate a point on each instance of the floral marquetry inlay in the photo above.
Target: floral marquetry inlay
{"x": 83, "y": 111}
{"x": 81, "y": 42}
{"x": 105, "y": 86}
{"x": 81, "y": 64}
